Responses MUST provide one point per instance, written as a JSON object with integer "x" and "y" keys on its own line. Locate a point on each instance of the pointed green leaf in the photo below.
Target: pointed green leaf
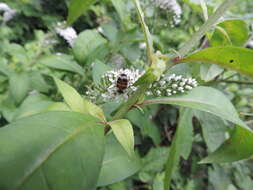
{"x": 204, "y": 99}
{"x": 117, "y": 164}
{"x": 235, "y": 58}
{"x": 19, "y": 86}
{"x": 76, "y": 102}
{"x": 87, "y": 43}
{"x": 123, "y": 131}
{"x": 181, "y": 144}
{"x": 213, "y": 129}
{"x": 98, "y": 69}
{"x": 124, "y": 14}
{"x": 77, "y": 8}
{"x": 212, "y": 101}
{"x": 54, "y": 150}
{"x": 61, "y": 62}
{"x": 71, "y": 96}
{"x": 230, "y": 32}
{"x": 237, "y": 147}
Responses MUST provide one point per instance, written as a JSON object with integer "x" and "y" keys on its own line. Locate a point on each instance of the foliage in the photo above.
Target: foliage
{"x": 53, "y": 136}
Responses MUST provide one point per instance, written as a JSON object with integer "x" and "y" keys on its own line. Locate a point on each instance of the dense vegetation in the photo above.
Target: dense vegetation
{"x": 183, "y": 122}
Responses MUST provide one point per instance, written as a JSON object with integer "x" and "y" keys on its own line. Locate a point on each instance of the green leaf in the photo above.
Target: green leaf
{"x": 212, "y": 101}
{"x": 86, "y": 43}
{"x": 208, "y": 71}
{"x": 237, "y": 147}
{"x": 205, "y": 99}
{"x": 123, "y": 131}
{"x": 71, "y": 96}
{"x": 213, "y": 129}
{"x": 54, "y": 150}
{"x": 181, "y": 144}
{"x": 117, "y": 164}
{"x": 235, "y": 58}
{"x": 124, "y": 14}
{"x": 153, "y": 163}
{"x": 38, "y": 82}
{"x": 76, "y": 102}
{"x": 19, "y": 86}
{"x": 17, "y": 51}
{"x": 62, "y": 62}
{"x": 98, "y": 69}
{"x": 77, "y": 8}
{"x": 38, "y": 103}
{"x": 147, "y": 126}
{"x": 148, "y": 37}
{"x": 230, "y": 32}
{"x": 4, "y": 68}
{"x": 57, "y": 106}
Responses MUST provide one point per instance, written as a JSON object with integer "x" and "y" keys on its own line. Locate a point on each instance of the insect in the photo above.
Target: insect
{"x": 122, "y": 83}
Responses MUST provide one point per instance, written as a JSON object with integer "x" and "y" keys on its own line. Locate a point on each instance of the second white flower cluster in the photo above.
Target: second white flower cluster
{"x": 171, "y": 85}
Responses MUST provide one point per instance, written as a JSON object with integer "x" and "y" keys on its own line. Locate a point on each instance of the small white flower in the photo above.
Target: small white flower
{"x": 180, "y": 88}
{"x": 158, "y": 92}
{"x": 4, "y": 7}
{"x": 8, "y": 12}
{"x": 162, "y": 83}
{"x": 174, "y": 92}
{"x": 177, "y": 78}
{"x": 174, "y": 86}
{"x": 104, "y": 95}
{"x": 168, "y": 90}
{"x": 100, "y": 29}
{"x": 182, "y": 83}
{"x": 142, "y": 45}
{"x": 148, "y": 93}
{"x": 188, "y": 87}
{"x": 68, "y": 33}
{"x": 172, "y": 6}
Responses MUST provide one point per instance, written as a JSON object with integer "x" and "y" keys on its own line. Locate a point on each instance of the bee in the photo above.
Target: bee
{"x": 122, "y": 83}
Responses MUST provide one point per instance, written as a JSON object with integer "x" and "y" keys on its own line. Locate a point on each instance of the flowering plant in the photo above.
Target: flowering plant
{"x": 115, "y": 78}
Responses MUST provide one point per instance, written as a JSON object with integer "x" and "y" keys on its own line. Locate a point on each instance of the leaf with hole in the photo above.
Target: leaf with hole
{"x": 234, "y": 58}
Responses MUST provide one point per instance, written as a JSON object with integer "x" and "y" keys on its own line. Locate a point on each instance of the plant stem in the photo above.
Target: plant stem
{"x": 236, "y": 81}
{"x": 147, "y": 35}
{"x": 205, "y": 27}
{"x": 131, "y": 102}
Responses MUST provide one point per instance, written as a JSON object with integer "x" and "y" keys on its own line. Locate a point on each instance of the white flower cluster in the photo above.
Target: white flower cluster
{"x": 8, "y": 13}
{"x": 68, "y": 33}
{"x": 109, "y": 89}
{"x": 172, "y": 6}
{"x": 165, "y": 86}
{"x": 171, "y": 85}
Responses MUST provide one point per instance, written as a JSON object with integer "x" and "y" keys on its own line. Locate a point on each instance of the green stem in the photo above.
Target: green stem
{"x": 131, "y": 102}
{"x": 206, "y": 27}
{"x": 236, "y": 81}
{"x": 147, "y": 35}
